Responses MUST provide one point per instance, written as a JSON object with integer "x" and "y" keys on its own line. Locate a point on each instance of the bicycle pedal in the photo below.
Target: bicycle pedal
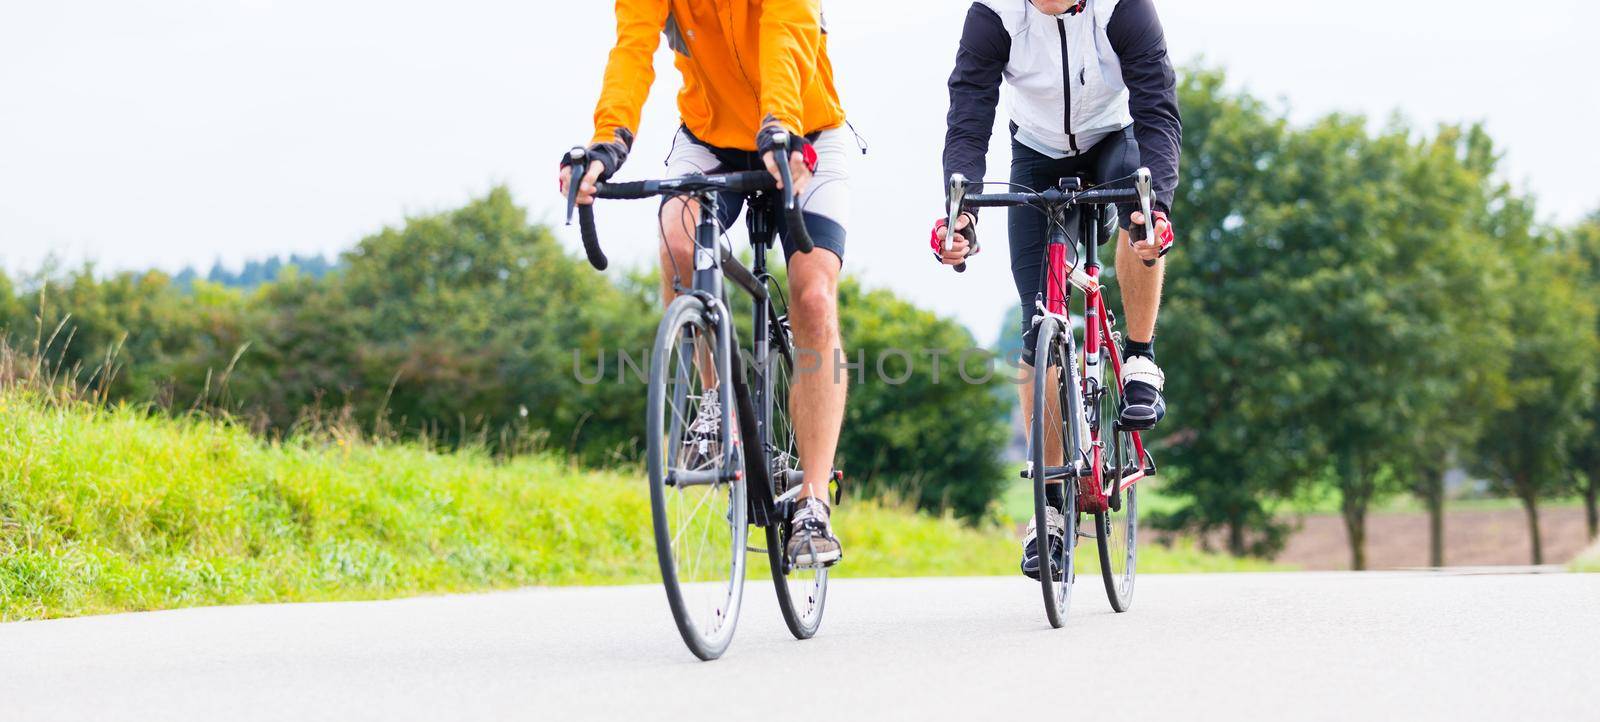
{"x": 815, "y": 566}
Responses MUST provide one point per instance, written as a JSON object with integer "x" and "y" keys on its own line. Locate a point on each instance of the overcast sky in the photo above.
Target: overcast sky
{"x": 169, "y": 132}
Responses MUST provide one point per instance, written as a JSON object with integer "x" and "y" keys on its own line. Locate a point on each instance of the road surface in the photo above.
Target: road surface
{"x": 1294, "y": 646}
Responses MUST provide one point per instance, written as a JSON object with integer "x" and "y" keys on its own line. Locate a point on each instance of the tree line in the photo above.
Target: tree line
{"x": 255, "y": 272}
{"x": 475, "y": 327}
{"x": 1352, "y": 309}
{"x": 1362, "y": 310}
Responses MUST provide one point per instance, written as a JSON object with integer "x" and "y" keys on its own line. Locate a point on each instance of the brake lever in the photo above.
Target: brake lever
{"x": 791, "y": 195}
{"x": 577, "y": 158}
{"x": 956, "y": 196}
{"x": 1141, "y": 182}
{"x": 791, "y": 199}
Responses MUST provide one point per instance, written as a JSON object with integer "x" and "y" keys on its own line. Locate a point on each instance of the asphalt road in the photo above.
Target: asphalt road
{"x": 1396, "y": 645}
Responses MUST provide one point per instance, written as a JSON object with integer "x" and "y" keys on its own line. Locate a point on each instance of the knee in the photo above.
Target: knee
{"x": 677, "y": 228}
{"x": 812, "y": 311}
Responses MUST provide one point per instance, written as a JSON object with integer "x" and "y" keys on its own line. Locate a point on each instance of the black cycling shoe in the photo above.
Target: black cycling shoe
{"x": 1142, "y": 405}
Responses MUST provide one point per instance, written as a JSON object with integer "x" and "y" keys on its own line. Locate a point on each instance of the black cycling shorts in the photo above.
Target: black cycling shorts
{"x": 1116, "y": 156}
{"x": 825, "y": 203}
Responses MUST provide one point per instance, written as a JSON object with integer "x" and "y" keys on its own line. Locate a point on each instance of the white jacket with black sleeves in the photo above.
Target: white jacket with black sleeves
{"x": 1076, "y": 78}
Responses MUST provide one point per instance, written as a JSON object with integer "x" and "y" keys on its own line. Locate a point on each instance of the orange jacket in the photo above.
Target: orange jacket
{"x": 741, "y": 61}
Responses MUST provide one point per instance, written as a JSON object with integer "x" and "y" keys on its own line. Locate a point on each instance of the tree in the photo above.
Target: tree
{"x": 933, "y": 434}
{"x": 1316, "y": 304}
{"x": 1405, "y": 328}
{"x": 462, "y": 326}
{"x": 13, "y": 317}
{"x": 1226, "y": 451}
{"x": 1461, "y": 369}
{"x": 1526, "y": 449}
{"x": 118, "y": 336}
{"x": 1584, "y": 243}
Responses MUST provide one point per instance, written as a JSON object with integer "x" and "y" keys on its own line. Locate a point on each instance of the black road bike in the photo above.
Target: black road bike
{"x": 707, "y": 486}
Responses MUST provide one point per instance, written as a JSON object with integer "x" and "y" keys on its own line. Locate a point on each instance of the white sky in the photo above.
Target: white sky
{"x": 169, "y": 132}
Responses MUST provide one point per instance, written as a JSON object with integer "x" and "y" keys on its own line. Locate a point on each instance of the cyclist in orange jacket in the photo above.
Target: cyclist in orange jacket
{"x": 750, "y": 68}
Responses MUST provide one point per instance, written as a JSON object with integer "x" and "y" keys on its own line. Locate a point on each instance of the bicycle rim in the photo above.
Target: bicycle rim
{"x": 1116, "y": 529}
{"x": 698, "y": 508}
{"x": 1048, "y": 431}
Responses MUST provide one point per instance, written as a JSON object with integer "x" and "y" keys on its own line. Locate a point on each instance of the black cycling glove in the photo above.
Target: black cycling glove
{"x": 766, "y": 140}
{"x": 611, "y": 154}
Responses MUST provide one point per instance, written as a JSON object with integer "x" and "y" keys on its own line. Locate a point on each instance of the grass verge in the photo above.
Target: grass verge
{"x": 1589, "y": 561}
{"x": 106, "y": 510}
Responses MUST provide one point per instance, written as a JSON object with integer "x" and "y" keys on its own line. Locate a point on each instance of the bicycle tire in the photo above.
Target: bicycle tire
{"x": 705, "y": 599}
{"x": 1051, "y": 348}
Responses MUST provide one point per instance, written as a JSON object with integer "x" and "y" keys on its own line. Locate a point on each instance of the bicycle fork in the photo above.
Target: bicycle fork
{"x": 708, "y": 288}
{"x": 1055, "y": 305}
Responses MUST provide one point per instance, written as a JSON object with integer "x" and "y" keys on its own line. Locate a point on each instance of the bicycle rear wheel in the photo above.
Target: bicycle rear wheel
{"x": 698, "y": 502}
{"x": 802, "y": 592}
{"x": 1117, "y": 528}
{"x": 1048, "y": 440}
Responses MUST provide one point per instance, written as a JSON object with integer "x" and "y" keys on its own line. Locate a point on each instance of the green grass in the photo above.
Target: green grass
{"x": 105, "y": 510}
{"x": 1589, "y": 561}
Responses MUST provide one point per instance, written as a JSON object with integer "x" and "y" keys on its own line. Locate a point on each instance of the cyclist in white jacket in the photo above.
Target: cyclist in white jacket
{"x": 1093, "y": 95}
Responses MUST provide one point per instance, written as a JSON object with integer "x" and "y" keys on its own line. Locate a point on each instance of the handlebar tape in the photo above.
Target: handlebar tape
{"x": 591, "y": 240}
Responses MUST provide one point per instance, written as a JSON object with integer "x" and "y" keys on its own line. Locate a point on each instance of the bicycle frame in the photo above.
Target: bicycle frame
{"x": 1093, "y": 497}
{"x": 712, "y": 264}
{"x": 1086, "y": 448}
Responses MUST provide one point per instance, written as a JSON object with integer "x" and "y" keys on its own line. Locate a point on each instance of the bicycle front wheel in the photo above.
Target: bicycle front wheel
{"x": 1050, "y": 455}
{"x": 697, "y": 498}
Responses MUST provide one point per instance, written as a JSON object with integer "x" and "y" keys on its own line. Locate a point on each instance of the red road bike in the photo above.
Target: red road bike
{"x": 1073, "y": 435}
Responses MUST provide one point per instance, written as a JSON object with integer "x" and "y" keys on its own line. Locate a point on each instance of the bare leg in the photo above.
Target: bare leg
{"x": 816, "y": 399}
{"x": 1054, "y": 452}
{"x": 678, "y": 218}
{"x": 1141, "y": 291}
